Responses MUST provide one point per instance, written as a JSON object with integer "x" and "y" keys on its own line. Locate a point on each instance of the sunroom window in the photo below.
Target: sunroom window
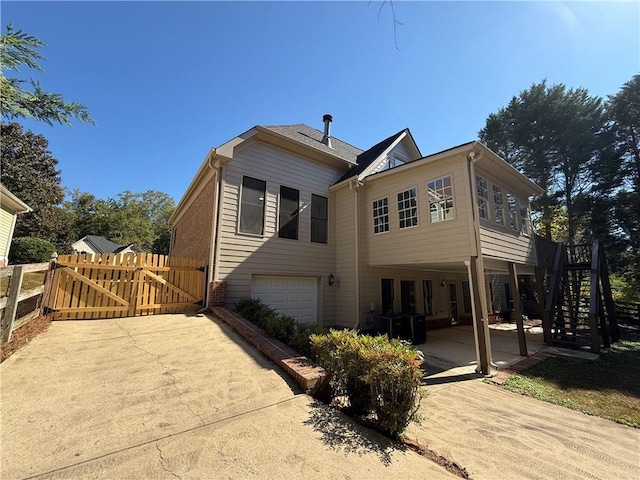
{"x": 513, "y": 212}
{"x": 482, "y": 192}
{"x": 441, "y": 199}
{"x": 498, "y": 205}
{"x": 524, "y": 217}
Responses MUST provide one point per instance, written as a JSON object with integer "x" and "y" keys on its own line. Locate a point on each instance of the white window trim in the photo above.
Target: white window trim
{"x": 480, "y": 198}
{"x": 415, "y": 187}
{"x": 453, "y": 197}
{"x": 374, "y": 217}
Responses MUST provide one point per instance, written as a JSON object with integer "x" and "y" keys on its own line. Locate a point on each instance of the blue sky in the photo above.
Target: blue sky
{"x": 166, "y": 81}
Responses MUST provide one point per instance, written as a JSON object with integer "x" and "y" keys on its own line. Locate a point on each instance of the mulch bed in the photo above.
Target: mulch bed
{"x": 24, "y": 335}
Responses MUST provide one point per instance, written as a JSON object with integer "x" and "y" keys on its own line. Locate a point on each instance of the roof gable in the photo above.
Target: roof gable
{"x": 369, "y": 158}
{"x": 311, "y": 137}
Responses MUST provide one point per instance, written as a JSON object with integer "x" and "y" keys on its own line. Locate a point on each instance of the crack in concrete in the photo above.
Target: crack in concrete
{"x": 162, "y": 462}
{"x": 167, "y": 371}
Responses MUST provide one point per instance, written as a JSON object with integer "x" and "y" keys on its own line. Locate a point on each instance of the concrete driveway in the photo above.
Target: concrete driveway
{"x": 174, "y": 396}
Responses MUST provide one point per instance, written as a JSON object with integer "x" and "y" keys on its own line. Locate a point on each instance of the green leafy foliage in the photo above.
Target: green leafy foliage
{"x": 30, "y": 250}
{"x": 377, "y": 375}
{"x": 138, "y": 218}
{"x": 18, "y": 49}
{"x": 29, "y": 171}
{"x": 281, "y": 327}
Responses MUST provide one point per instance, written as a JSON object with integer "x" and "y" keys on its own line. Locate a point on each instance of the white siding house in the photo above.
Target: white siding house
{"x": 10, "y": 207}
{"x": 329, "y": 233}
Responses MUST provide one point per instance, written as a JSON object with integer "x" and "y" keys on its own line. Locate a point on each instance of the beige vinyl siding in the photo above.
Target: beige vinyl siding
{"x": 501, "y": 242}
{"x": 510, "y": 247}
{"x": 242, "y": 256}
{"x": 447, "y": 241}
{"x": 345, "y": 257}
{"x": 6, "y": 227}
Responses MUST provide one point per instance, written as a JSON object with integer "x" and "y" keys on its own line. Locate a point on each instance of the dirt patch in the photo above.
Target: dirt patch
{"x": 24, "y": 335}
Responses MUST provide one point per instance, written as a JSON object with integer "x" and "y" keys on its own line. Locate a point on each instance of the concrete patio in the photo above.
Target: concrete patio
{"x": 450, "y": 352}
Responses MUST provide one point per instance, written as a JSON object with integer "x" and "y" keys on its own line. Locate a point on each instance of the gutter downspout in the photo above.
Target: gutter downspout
{"x": 215, "y": 223}
{"x": 354, "y": 186}
{"x": 483, "y": 339}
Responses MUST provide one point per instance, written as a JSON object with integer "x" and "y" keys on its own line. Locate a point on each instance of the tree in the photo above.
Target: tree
{"x": 623, "y": 183}
{"x": 17, "y": 49}
{"x": 551, "y": 134}
{"x": 29, "y": 171}
{"x": 138, "y": 218}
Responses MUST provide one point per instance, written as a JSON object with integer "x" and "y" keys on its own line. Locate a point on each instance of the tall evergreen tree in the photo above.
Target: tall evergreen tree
{"x": 29, "y": 171}
{"x": 18, "y": 49}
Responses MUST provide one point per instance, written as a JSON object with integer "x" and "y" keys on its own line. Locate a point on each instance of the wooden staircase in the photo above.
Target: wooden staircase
{"x": 579, "y": 311}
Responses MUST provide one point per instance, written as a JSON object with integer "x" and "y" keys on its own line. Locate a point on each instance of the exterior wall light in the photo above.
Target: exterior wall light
{"x": 332, "y": 279}
{"x": 443, "y": 283}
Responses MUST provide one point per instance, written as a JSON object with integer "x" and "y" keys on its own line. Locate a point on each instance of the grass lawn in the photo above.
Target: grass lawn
{"x": 608, "y": 387}
{"x": 29, "y": 281}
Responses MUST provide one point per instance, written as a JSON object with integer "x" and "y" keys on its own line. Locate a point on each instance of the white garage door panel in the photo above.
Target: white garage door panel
{"x": 294, "y": 296}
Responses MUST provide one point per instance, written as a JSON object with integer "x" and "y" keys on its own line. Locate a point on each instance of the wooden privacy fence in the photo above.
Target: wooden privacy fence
{"x": 87, "y": 286}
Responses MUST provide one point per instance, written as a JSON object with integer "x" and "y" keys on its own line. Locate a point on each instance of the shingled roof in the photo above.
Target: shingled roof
{"x": 365, "y": 158}
{"x": 310, "y": 136}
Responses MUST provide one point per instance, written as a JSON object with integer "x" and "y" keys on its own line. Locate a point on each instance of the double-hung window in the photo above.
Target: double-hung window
{"x": 381, "y": 215}
{"x": 288, "y": 213}
{"x": 482, "y": 192}
{"x": 252, "y": 202}
{"x": 319, "y": 215}
{"x": 512, "y": 204}
{"x": 524, "y": 217}
{"x": 498, "y": 205}
{"x": 441, "y": 199}
{"x": 408, "y": 208}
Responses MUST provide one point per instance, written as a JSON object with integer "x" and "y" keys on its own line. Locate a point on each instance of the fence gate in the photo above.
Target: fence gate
{"x": 109, "y": 285}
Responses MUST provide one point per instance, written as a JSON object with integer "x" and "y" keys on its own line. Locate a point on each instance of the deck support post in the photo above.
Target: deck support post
{"x": 517, "y": 309}
{"x": 480, "y": 315}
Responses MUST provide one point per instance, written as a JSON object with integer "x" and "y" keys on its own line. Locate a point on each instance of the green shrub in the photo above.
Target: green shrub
{"x": 30, "y": 250}
{"x": 378, "y": 376}
{"x": 280, "y": 327}
{"x": 300, "y": 340}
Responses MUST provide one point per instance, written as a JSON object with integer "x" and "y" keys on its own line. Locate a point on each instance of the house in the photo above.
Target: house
{"x": 10, "y": 207}
{"x": 98, "y": 244}
{"x": 329, "y": 233}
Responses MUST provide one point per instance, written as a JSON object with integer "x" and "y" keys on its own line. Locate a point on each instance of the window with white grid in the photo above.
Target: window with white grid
{"x": 441, "y": 199}
{"x": 381, "y": 215}
{"x": 498, "y": 205}
{"x": 512, "y": 204}
{"x": 524, "y": 217}
{"x": 408, "y": 208}
{"x": 482, "y": 193}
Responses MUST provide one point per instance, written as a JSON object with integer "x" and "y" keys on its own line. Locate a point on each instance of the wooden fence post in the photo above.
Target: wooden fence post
{"x": 9, "y": 314}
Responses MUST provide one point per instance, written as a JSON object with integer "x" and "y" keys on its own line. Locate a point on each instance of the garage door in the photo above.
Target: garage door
{"x": 295, "y": 296}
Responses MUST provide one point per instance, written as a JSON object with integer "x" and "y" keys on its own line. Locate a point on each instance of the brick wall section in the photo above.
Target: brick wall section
{"x": 217, "y": 294}
{"x": 193, "y": 230}
{"x": 309, "y": 376}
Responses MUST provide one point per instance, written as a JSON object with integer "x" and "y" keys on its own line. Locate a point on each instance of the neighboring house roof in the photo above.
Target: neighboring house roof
{"x": 100, "y": 244}
{"x": 313, "y": 138}
{"x": 365, "y": 159}
{"x": 11, "y": 202}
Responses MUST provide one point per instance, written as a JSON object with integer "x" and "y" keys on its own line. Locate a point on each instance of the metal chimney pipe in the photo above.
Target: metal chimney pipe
{"x": 326, "y": 139}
